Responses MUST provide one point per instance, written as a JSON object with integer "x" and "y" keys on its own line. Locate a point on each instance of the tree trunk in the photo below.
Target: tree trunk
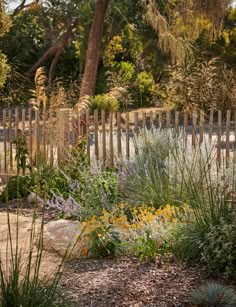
{"x": 93, "y": 50}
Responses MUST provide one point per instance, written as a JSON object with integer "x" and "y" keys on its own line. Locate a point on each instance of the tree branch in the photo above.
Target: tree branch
{"x": 63, "y": 42}
{"x": 23, "y": 6}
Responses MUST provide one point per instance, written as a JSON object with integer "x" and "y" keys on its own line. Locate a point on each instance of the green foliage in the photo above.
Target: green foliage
{"x": 144, "y": 81}
{"x": 4, "y": 69}
{"x": 125, "y": 71}
{"x": 93, "y": 187}
{"x": 218, "y": 248}
{"x": 104, "y": 241}
{"x": 105, "y": 102}
{"x": 146, "y": 88}
{"x": 16, "y": 188}
{"x": 149, "y": 175}
{"x": 213, "y": 295}
{"x": 77, "y": 158}
{"x": 113, "y": 48}
{"x": 22, "y": 153}
{"x": 46, "y": 179}
{"x": 147, "y": 249}
{"x": 96, "y": 190}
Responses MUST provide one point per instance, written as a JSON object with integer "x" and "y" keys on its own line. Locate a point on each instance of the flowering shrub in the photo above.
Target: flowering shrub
{"x": 131, "y": 225}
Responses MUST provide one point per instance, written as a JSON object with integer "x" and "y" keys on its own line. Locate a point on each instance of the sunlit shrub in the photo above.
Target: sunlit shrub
{"x": 143, "y": 230}
{"x": 105, "y": 102}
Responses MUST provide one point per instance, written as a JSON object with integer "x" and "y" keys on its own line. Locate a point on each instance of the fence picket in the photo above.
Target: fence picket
{"x": 219, "y": 138}
{"x": 177, "y": 121}
{"x": 202, "y": 126}
{"x": 168, "y": 119}
{"x": 127, "y": 137}
{"x": 186, "y": 125}
{"x": 23, "y": 121}
{"x": 144, "y": 121}
{"x": 111, "y": 140}
{"x": 96, "y": 134}
{"x": 44, "y": 134}
{"x": 51, "y": 138}
{"x": 228, "y": 116}
{"x": 104, "y": 151}
{"x": 194, "y": 128}
{"x": 136, "y": 129}
{"x": 119, "y": 132}
{"x": 5, "y": 140}
{"x": 10, "y": 140}
{"x": 160, "y": 119}
{"x": 37, "y": 152}
{"x": 48, "y": 134}
{"x": 211, "y": 119}
{"x": 30, "y": 135}
{"x": 151, "y": 121}
{"x": 16, "y": 122}
{"x": 88, "y": 133}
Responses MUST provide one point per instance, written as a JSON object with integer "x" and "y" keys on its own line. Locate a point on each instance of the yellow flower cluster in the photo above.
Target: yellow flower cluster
{"x": 140, "y": 219}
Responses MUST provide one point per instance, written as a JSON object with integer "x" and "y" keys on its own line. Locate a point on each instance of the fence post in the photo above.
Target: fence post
{"x": 62, "y": 117}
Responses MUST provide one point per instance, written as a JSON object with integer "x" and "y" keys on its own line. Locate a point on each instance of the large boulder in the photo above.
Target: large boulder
{"x": 63, "y": 236}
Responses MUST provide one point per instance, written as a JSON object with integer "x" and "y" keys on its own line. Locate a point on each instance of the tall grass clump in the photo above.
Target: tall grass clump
{"x": 21, "y": 280}
{"x": 150, "y": 174}
{"x": 210, "y": 235}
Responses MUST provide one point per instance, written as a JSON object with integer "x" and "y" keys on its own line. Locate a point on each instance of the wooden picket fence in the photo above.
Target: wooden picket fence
{"x": 49, "y": 133}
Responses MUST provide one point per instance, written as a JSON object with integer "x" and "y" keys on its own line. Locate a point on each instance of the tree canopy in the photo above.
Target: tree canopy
{"x": 127, "y": 50}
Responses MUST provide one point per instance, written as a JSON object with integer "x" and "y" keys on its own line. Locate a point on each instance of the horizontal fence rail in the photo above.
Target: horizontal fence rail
{"x": 109, "y": 135}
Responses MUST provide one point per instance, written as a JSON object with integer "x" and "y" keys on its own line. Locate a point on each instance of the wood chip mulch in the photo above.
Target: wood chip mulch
{"x": 126, "y": 282}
